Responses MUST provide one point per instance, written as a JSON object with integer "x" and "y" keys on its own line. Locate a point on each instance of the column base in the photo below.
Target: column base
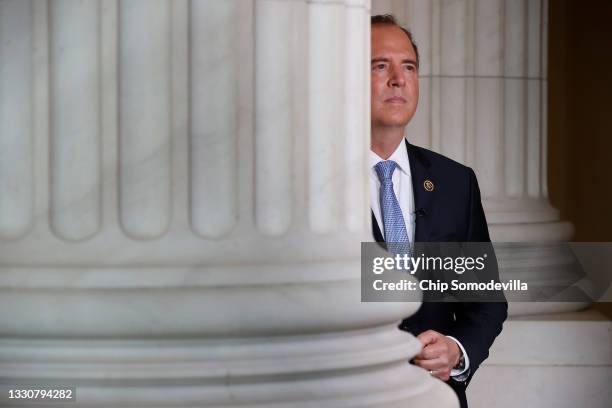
{"x": 365, "y": 368}
{"x": 556, "y": 279}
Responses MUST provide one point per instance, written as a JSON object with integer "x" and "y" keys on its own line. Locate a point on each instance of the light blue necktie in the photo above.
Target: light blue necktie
{"x": 396, "y": 235}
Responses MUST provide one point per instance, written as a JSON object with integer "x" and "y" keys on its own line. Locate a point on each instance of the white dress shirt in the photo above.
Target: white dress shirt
{"x": 402, "y": 187}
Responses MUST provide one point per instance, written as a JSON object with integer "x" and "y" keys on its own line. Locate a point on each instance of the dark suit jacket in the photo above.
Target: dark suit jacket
{"x": 452, "y": 212}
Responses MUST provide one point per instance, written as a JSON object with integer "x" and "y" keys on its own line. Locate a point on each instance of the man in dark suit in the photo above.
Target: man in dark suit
{"x": 421, "y": 196}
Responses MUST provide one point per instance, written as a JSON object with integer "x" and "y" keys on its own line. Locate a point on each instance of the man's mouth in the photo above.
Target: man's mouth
{"x": 396, "y": 99}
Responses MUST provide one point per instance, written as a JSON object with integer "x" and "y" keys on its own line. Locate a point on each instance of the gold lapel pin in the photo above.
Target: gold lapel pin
{"x": 428, "y": 185}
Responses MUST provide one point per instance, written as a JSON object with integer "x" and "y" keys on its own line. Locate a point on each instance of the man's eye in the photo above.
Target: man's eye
{"x": 410, "y": 67}
{"x": 379, "y": 67}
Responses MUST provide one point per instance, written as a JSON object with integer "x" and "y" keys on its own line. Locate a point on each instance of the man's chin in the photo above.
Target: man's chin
{"x": 396, "y": 122}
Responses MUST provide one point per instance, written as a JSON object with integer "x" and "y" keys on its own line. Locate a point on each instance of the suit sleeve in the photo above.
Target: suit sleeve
{"x": 477, "y": 324}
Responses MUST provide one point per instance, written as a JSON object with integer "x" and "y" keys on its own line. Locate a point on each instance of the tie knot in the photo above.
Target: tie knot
{"x": 385, "y": 170}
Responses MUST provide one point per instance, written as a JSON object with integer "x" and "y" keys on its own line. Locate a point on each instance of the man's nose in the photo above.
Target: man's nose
{"x": 397, "y": 77}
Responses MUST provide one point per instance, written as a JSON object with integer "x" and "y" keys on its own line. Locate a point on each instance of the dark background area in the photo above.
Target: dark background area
{"x": 580, "y": 117}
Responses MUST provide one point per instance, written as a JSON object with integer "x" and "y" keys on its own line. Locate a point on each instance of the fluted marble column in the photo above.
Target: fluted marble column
{"x": 181, "y": 207}
{"x": 483, "y": 103}
{"x": 16, "y": 107}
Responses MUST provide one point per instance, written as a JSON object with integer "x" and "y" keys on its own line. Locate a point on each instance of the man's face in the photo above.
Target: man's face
{"x": 394, "y": 77}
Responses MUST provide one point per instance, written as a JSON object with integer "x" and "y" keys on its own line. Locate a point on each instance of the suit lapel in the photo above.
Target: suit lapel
{"x": 419, "y": 169}
{"x": 376, "y": 229}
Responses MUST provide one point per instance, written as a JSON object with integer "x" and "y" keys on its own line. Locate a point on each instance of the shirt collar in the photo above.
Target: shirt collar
{"x": 400, "y": 156}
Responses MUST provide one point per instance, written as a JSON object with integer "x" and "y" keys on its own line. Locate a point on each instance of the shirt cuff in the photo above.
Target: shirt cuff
{"x": 455, "y": 372}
